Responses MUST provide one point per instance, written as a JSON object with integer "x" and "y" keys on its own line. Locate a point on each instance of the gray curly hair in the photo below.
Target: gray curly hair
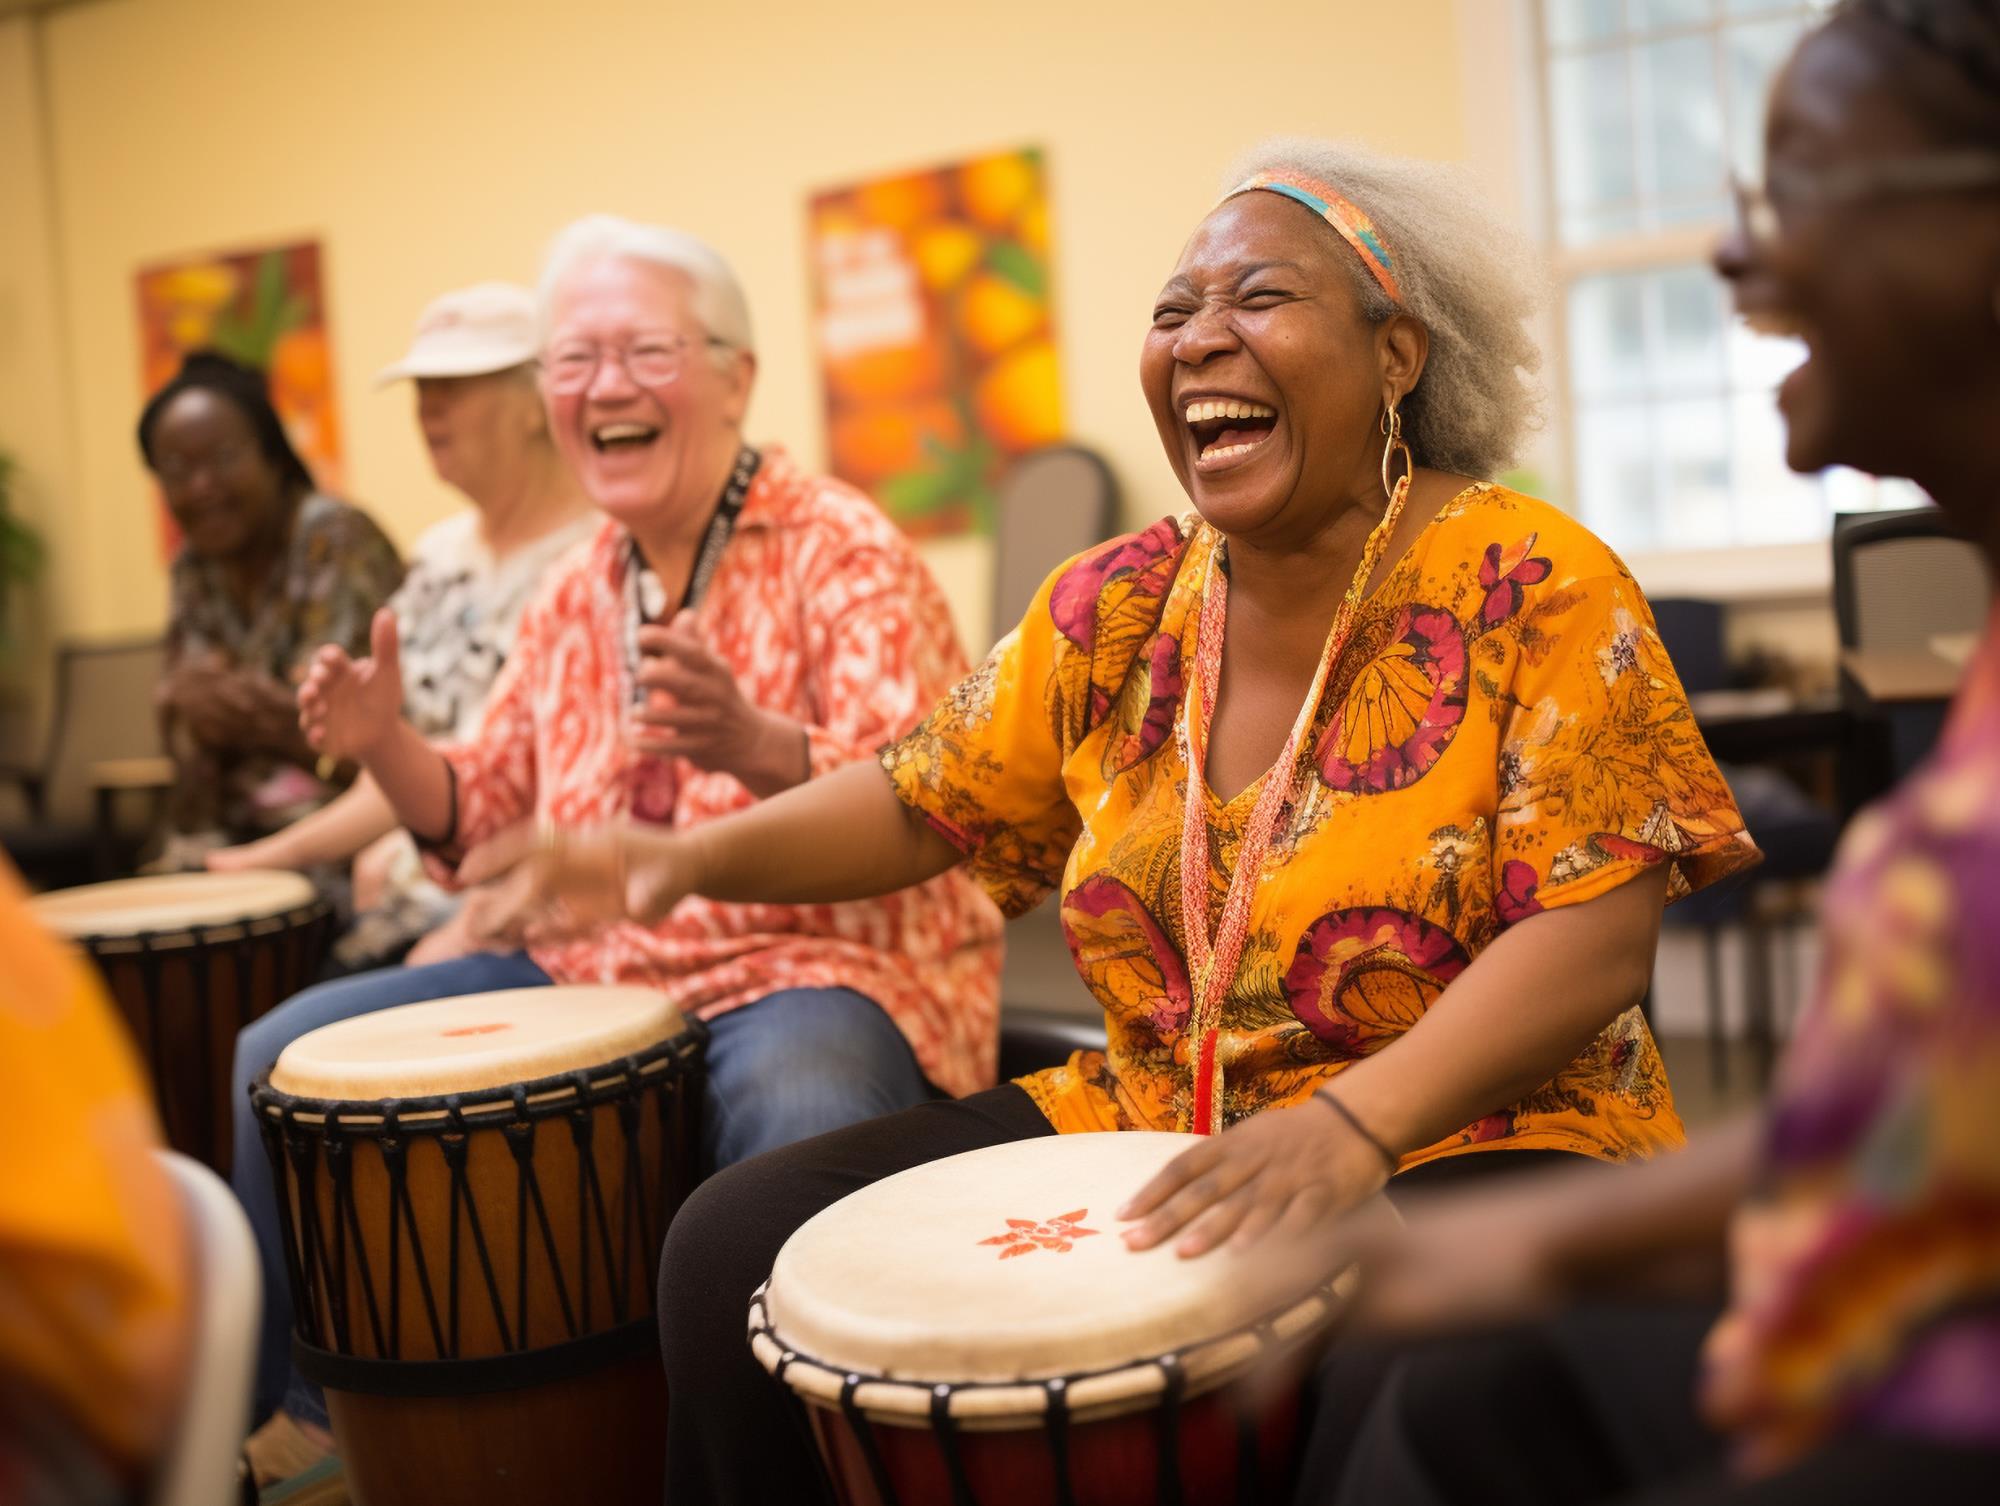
{"x": 1471, "y": 281}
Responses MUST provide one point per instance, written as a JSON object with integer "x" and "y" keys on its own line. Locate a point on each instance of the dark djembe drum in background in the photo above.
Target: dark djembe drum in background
{"x": 473, "y": 1196}
{"x": 191, "y": 959}
{"x": 974, "y": 1332}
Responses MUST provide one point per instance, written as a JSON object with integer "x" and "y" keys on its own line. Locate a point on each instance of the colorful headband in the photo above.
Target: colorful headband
{"x": 1345, "y": 216}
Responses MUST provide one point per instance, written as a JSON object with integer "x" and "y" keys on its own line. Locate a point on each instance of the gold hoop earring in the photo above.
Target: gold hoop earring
{"x": 1392, "y": 428}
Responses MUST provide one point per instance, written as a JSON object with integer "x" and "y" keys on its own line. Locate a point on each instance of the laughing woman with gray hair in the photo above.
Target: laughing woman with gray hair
{"x": 735, "y": 627}
{"x": 1361, "y": 789}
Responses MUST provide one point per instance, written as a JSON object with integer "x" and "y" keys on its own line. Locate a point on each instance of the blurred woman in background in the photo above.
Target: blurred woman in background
{"x": 269, "y": 570}
{"x": 487, "y": 433}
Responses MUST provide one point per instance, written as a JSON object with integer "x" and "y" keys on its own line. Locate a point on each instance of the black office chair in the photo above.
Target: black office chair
{"x": 1797, "y": 836}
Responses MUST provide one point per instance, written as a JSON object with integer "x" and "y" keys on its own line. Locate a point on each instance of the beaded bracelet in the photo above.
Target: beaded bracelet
{"x": 1325, "y": 1095}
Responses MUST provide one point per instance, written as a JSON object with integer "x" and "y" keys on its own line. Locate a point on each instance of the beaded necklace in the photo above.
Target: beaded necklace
{"x": 1213, "y": 961}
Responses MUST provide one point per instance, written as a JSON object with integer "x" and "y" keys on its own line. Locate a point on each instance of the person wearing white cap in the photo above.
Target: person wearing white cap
{"x": 482, "y": 419}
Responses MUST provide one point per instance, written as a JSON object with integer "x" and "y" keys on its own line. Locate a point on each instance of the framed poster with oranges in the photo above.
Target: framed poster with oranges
{"x": 265, "y": 308}
{"x": 936, "y": 335}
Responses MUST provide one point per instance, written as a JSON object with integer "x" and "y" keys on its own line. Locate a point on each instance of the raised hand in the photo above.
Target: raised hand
{"x": 694, "y": 709}
{"x": 347, "y": 707}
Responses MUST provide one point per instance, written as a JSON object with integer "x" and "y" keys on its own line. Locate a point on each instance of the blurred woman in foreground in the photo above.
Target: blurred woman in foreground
{"x": 1857, "y": 1358}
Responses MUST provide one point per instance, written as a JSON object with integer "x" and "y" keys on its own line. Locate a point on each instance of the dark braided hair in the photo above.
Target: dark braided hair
{"x": 1962, "y": 34}
{"x": 244, "y": 388}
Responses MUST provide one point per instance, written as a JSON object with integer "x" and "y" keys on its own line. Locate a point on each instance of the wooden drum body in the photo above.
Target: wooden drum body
{"x": 474, "y": 1194}
{"x": 973, "y": 1331}
{"x": 191, "y": 959}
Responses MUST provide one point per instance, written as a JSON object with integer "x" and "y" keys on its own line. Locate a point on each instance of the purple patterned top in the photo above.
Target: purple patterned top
{"x": 1867, "y": 1269}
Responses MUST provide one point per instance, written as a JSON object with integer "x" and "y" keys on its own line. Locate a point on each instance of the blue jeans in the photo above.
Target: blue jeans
{"x": 789, "y": 1066}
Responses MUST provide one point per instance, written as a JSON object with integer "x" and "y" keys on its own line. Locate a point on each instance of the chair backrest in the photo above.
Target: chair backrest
{"x": 1691, "y": 629}
{"x": 103, "y": 709}
{"x": 200, "y": 1467}
{"x": 1903, "y": 578}
{"x": 1054, "y": 503}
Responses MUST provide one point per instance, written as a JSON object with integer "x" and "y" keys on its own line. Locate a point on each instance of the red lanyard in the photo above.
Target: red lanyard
{"x": 1212, "y": 962}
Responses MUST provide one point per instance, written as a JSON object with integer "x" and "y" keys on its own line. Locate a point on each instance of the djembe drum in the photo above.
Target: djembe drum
{"x": 191, "y": 959}
{"x": 473, "y": 1194}
{"x": 974, "y": 1331}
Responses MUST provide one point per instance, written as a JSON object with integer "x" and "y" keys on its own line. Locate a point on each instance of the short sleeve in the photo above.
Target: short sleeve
{"x": 1602, "y": 770}
{"x": 985, "y": 767}
{"x": 348, "y": 569}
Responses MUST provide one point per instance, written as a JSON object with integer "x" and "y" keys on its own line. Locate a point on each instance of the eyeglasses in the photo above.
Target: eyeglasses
{"x": 1760, "y": 207}
{"x": 173, "y": 473}
{"x": 650, "y": 362}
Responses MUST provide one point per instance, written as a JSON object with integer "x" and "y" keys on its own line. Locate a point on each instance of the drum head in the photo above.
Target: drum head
{"x": 171, "y": 902}
{"x": 474, "y": 1041}
{"x": 1005, "y": 1265}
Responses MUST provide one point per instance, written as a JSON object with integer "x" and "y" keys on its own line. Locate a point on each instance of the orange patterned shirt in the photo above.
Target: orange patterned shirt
{"x": 1502, "y": 734}
{"x": 824, "y": 613}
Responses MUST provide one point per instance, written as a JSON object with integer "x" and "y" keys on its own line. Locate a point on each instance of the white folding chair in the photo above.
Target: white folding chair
{"x": 200, "y": 1467}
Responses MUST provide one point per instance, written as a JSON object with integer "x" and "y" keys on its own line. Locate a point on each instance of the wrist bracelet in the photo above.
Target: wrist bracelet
{"x": 1389, "y": 1159}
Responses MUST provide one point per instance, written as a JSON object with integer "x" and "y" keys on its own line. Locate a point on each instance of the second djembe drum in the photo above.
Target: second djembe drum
{"x": 473, "y": 1193}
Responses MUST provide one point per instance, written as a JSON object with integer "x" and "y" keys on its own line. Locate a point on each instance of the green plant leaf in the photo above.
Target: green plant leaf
{"x": 1016, "y": 264}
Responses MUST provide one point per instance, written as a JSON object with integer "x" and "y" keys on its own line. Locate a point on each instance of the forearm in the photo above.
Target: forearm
{"x": 339, "y": 830}
{"x": 843, "y": 836}
{"x": 779, "y": 761}
{"x": 1523, "y": 1010}
{"x": 413, "y": 779}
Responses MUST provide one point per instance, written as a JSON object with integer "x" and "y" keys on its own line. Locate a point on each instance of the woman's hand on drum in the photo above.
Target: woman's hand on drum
{"x": 347, "y": 707}
{"x": 266, "y": 852}
{"x": 1284, "y": 1172}
{"x": 550, "y": 882}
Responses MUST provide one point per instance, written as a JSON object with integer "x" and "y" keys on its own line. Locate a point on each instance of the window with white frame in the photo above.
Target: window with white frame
{"x": 1666, "y": 400}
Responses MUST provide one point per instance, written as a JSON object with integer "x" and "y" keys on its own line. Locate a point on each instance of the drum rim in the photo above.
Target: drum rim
{"x": 1085, "y": 1395}
{"x": 199, "y": 933}
{"x": 680, "y": 1055}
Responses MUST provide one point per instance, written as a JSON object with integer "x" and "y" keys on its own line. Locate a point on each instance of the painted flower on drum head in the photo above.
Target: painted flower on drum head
{"x": 1362, "y": 977}
{"x": 1402, "y": 707}
{"x": 1057, "y": 1235}
{"x": 1503, "y": 572}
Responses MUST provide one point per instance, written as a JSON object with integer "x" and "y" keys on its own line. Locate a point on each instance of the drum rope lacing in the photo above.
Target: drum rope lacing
{"x": 299, "y": 1133}
{"x": 1057, "y": 1415}
{"x": 294, "y": 940}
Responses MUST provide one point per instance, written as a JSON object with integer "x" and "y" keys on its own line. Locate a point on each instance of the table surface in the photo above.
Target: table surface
{"x": 1891, "y": 675}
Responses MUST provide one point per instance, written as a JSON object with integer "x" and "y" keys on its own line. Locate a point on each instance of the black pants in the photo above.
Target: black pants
{"x": 732, "y": 1434}
{"x": 1597, "y": 1406}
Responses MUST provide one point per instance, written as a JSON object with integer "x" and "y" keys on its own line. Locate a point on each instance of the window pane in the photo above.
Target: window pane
{"x": 1755, "y": 54}
{"x": 1695, "y": 496}
{"x": 1757, "y": 363}
{"x": 1593, "y": 130}
{"x": 1652, "y": 15}
{"x": 1573, "y": 21}
{"x": 1689, "y": 358}
{"x": 1607, "y": 338}
{"x": 1773, "y": 503}
{"x": 1614, "y": 474}
{"x": 1683, "y": 116}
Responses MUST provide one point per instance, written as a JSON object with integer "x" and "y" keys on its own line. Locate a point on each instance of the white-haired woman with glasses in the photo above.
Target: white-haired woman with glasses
{"x": 736, "y": 627}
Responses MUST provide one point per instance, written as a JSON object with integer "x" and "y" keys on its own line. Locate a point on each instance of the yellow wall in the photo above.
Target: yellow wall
{"x": 429, "y": 143}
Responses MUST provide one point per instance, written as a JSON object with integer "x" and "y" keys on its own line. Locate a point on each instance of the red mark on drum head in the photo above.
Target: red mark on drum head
{"x": 477, "y": 1029}
{"x": 1024, "y": 1236}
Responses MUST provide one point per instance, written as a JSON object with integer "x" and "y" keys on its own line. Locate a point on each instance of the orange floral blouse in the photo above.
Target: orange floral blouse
{"x": 1502, "y": 735}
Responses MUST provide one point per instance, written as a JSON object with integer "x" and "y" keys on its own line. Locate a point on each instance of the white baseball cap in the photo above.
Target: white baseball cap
{"x": 487, "y": 327}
